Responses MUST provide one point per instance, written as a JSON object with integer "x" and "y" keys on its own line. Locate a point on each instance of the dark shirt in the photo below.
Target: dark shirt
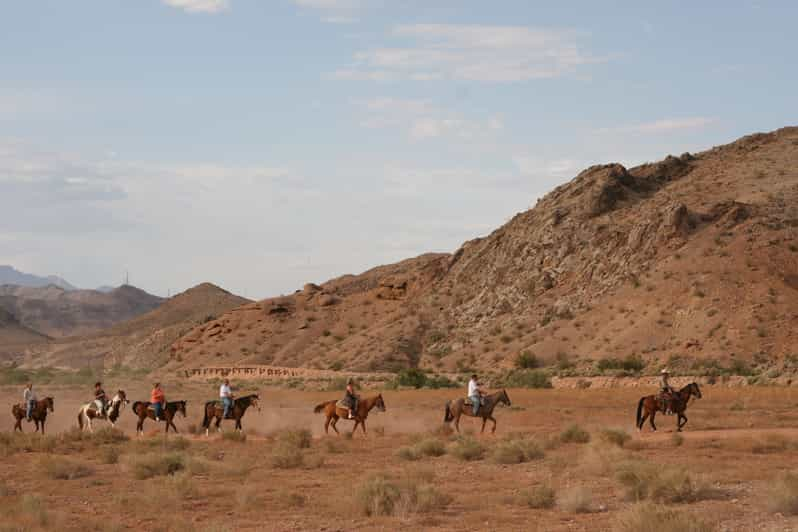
{"x": 100, "y": 394}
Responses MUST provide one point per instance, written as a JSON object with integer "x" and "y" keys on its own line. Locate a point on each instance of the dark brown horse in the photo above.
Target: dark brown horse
{"x": 214, "y": 409}
{"x": 334, "y": 412}
{"x": 651, "y": 404}
{"x": 143, "y": 410}
{"x": 458, "y": 408}
{"x": 38, "y": 414}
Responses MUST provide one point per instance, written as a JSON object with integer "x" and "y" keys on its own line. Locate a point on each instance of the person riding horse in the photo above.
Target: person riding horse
{"x": 158, "y": 401}
{"x": 29, "y": 400}
{"x": 100, "y": 400}
{"x": 475, "y": 393}
{"x": 666, "y": 392}
{"x": 350, "y": 398}
{"x": 226, "y": 395}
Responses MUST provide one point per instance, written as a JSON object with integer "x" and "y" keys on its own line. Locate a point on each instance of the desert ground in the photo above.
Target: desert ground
{"x": 538, "y": 472}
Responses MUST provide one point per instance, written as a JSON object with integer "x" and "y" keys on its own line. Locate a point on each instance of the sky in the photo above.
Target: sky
{"x": 263, "y": 144}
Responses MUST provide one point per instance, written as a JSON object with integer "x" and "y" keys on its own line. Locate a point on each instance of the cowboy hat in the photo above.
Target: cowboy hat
{"x": 665, "y": 371}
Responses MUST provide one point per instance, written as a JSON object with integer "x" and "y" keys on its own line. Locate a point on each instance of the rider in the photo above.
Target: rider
{"x": 99, "y": 398}
{"x": 666, "y": 390}
{"x": 350, "y": 399}
{"x": 474, "y": 393}
{"x": 157, "y": 400}
{"x": 29, "y": 398}
{"x": 226, "y": 395}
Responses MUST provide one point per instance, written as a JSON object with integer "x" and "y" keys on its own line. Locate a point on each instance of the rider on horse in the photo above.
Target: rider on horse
{"x": 350, "y": 399}
{"x": 158, "y": 400}
{"x": 29, "y": 398}
{"x": 666, "y": 391}
{"x": 226, "y": 395}
{"x": 100, "y": 399}
{"x": 475, "y": 393}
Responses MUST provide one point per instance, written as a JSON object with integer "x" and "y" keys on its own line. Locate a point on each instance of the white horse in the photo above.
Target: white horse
{"x": 90, "y": 411}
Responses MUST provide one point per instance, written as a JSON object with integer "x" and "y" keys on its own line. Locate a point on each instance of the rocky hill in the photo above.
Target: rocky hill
{"x": 10, "y": 275}
{"x": 15, "y": 337}
{"x": 691, "y": 261}
{"x": 141, "y": 342}
{"x": 57, "y": 312}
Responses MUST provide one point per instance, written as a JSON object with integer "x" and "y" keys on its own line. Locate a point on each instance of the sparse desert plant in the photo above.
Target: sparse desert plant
{"x": 539, "y": 497}
{"x": 234, "y": 436}
{"x": 643, "y": 480}
{"x": 615, "y": 436}
{"x": 380, "y": 495}
{"x": 574, "y": 434}
{"x": 677, "y": 439}
{"x": 297, "y": 438}
{"x": 60, "y": 468}
{"x": 576, "y": 500}
{"x": 287, "y": 456}
{"x": 109, "y": 455}
{"x": 156, "y": 464}
{"x": 526, "y": 360}
{"x": 526, "y": 378}
{"x": 431, "y": 447}
{"x": 516, "y": 451}
{"x": 33, "y": 507}
{"x": 376, "y": 496}
{"x": 646, "y": 517}
{"x": 783, "y": 494}
{"x": 466, "y": 448}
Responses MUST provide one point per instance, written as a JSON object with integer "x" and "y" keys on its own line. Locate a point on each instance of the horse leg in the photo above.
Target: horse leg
{"x": 651, "y": 420}
{"x": 18, "y": 424}
{"x": 327, "y": 426}
{"x": 363, "y": 426}
{"x": 334, "y": 421}
{"x": 680, "y": 422}
{"x": 484, "y": 419}
{"x": 493, "y": 430}
{"x": 171, "y": 422}
{"x": 218, "y": 424}
{"x": 457, "y": 423}
{"x": 357, "y": 422}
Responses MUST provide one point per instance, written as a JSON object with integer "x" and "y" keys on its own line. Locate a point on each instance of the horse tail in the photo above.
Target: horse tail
{"x": 135, "y": 407}
{"x": 321, "y": 407}
{"x": 206, "y": 420}
{"x": 639, "y": 411}
{"x": 447, "y": 415}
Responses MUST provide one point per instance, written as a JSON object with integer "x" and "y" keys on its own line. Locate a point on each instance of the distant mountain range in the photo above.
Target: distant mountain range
{"x": 10, "y": 275}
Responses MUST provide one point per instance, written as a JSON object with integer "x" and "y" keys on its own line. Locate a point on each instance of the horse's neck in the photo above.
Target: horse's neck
{"x": 369, "y": 402}
{"x": 492, "y": 399}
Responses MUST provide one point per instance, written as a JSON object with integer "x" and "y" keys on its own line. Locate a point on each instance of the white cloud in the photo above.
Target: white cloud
{"x": 471, "y": 52}
{"x": 665, "y": 125}
{"x": 200, "y": 6}
{"x": 334, "y": 11}
{"x": 534, "y": 166}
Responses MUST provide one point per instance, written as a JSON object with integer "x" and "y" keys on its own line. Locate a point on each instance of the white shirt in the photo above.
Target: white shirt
{"x": 29, "y": 395}
{"x": 473, "y": 388}
{"x": 225, "y": 391}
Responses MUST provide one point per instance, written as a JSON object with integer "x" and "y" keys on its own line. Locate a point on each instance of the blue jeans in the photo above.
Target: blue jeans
{"x": 476, "y": 401}
{"x": 158, "y": 409}
{"x": 30, "y": 407}
{"x": 227, "y": 403}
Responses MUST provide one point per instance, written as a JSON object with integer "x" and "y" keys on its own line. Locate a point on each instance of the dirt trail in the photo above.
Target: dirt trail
{"x": 710, "y": 434}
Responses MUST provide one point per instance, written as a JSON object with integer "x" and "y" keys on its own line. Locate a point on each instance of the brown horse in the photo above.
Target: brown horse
{"x": 214, "y": 409}
{"x": 143, "y": 410}
{"x": 651, "y": 404}
{"x": 38, "y": 414}
{"x": 458, "y": 408}
{"x": 335, "y": 412}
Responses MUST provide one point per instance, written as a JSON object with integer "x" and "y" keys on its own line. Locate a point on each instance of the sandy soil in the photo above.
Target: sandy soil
{"x": 737, "y": 441}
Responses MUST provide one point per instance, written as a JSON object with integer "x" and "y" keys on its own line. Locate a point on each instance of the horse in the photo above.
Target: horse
{"x": 38, "y": 414}
{"x": 652, "y": 404}
{"x": 143, "y": 411}
{"x": 457, "y": 408}
{"x": 88, "y": 412}
{"x": 213, "y": 409}
{"x": 335, "y": 412}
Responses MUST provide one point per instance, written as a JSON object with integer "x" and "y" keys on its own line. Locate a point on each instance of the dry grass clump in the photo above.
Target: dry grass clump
{"x": 644, "y": 480}
{"x": 646, "y": 517}
{"x": 615, "y": 436}
{"x": 380, "y": 495}
{"x": 156, "y": 464}
{"x": 576, "y": 500}
{"x": 574, "y": 434}
{"x": 466, "y": 448}
{"x": 236, "y": 436}
{"x": 601, "y": 458}
{"x": 297, "y": 438}
{"x": 286, "y": 456}
{"x": 60, "y": 468}
{"x": 425, "y": 447}
{"x": 163, "y": 444}
{"x": 783, "y": 494}
{"x": 109, "y": 455}
{"x": 516, "y": 451}
{"x": 539, "y": 497}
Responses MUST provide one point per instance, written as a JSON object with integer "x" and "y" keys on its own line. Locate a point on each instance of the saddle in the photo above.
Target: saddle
{"x": 467, "y": 402}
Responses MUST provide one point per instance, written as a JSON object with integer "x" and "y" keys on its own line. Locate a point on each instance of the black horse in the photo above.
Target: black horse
{"x": 143, "y": 410}
{"x": 214, "y": 409}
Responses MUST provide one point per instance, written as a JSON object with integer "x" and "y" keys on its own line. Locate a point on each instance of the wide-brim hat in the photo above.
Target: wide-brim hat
{"x": 665, "y": 371}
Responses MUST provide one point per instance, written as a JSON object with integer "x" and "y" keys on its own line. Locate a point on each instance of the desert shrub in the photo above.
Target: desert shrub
{"x": 33, "y": 507}
{"x": 574, "y": 434}
{"x": 431, "y": 447}
{"x": 677, "y": 439}
{"x": 615, "y": 436}
{"x": 643, "y": 480}
{"x": 156, "y": 464}
{"x": 109, "y": 455}
{"x": 645, "y": 517}
{"x": 539, "y": 497}
{"x": 411, "y": 377}
{"x": 516, "y": 451}
{"x": 286, "y": 456}
{"x": 408, "y": 453}
{"x": 525, "y": 378}
{"x": 526, "y": 360}
{"x": 377, "y": 496}
{"x": 600, "y": 458}
{"x": 380, "y": 495}
{"x": 234, "y": 436}
{"x": 297, "y": 438}
{"x": 783, "y": 494}
{"x": 576, "y": 500}
{"x": 60, "y": 468}
{"x": 631, "y": 363}
{"x": 292, "y": 499}
{"x": 466, "y": 448}
{"x": 332, "y": 447}
{"x": 163, "y": 444}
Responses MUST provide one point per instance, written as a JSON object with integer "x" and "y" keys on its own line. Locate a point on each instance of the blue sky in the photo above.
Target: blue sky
{"x": 263, "y": 144}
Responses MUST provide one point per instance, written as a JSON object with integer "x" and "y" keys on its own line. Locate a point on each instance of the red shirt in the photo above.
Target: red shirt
{"x": 157, "y": 396}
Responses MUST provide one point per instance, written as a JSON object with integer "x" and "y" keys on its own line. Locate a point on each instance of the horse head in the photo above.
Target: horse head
{"x": 49, "y": 404}
{"x": 181, "y": 407}
{"x": 120, "y": 397}
{"x": 379, "y": 403}
{"x": 504, "y": 398}
{"x": 695, "y": 390}
{"x": 254, "y": 400}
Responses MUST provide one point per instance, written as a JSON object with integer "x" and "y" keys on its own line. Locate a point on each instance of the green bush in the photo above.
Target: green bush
{"x": 539, "y": 497}
{"x": 526, "y": 360}
{"x": 631, "y": 363}
{"x": 526, "y": 378}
